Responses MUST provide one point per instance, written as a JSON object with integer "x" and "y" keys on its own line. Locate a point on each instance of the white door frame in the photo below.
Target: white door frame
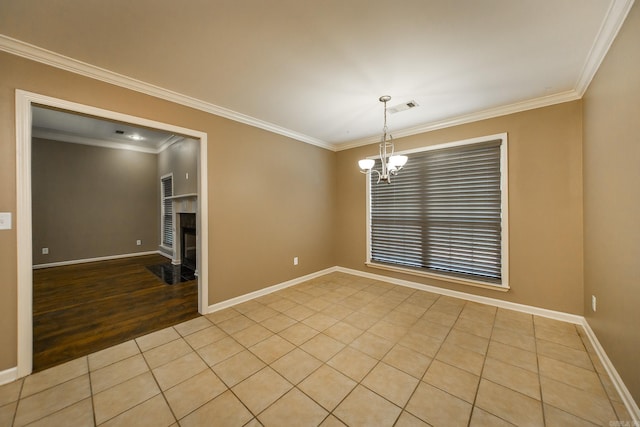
{"x": 24, "y": 101}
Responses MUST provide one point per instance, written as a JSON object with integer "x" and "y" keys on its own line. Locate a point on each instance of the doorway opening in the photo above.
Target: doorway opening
{"x": 25, "y": 102}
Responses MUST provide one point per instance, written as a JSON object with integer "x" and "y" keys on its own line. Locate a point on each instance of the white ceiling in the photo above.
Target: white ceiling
{"x": 314, "y": 70}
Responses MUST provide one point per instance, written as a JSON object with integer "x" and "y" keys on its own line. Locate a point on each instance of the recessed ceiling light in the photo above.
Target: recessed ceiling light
{"x": 135, "y": 137}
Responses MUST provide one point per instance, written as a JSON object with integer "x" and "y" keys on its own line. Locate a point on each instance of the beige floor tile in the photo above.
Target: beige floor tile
{"x": 117, "y": 373}
{"x": 238, "y": 367}
{"x": 437, "y": 407}
{"x": 205, "y": 336}
{"x": 410, "y": 307}
{"x": 247, "y": 306}
{"x": 235, "y": 324}
{"x": 554, "y": 417}
{"x": 7, "y": 413}
{"x": 252, "y": 335}
{"x": 343, "y": 332}
{"x": 468, "y": 341}
{"x": 261, "y": 389}
{"x": 296, "y": 365}
{"x": 440, "y": 318}
{"x": 261, "y": 314}
{"x": 560, "y": 336}
{"x": 179, "y": 370}
{"x": 513, "y": 356}
{"x": 402, "y": 318}
{"x": 514, "y": 339}
{"x": 152, "y": 413}
{"x": 408, "y": 420}
{"x": 390, "y": 383}
{"x": 467, "y": 360}
{"x": 221, "y": 315}
{"x": 407, "y": 360}
{"x": 124, "y": 396}
{"x": 10, "y": 392}
{"x": 353, "y": 363}
{"x": 53, "y": 399}
{"x": 116, "y": 353}
{"x": 592, "y": 407}
{"x": 282, "y": 305}
{"x": 513, "y": 377}
{"x": 360, "y": 320}
{"x": 332, "y": 421}
{"x": 514, "y": 321}
{"x": 319, "y": 321}
{"x": 471, "y": 326}
{"x": 337, "y": 311}
{"x": 453, "y": 380}
{"x": 565, "y": 354}
{"x": 165, "y": 353}
{"x": 54, "y": 376}
{"x": 327, "y": 386}
{"x": 193, "y": 393}
{"x": 219, "y": 350}
{"x": 225, "y": 409}
{"x": 317, "y": 304}
{"x": 430, "y": 329}
{"x": 193, "y": 325}
{"x": 322, "y": 347}
{"x": 272, "y": 348}
{"x": 362, "y": 407}
{"x": 372, "y": 345}
{"x": 389, "y": 331}
{"x": 423, "y": 344}
{"x": 76, "y": 415}
{"x": 509, "y": 405}
{"x": 577, "y": 377}
{"x": 293, "y": 407}
{"x": 565, "y": 327}
{"x": 298, "y": 333}
{"x": 154, "y": 339}
{"x": 622, "y": 412}
{"x": 299, "y": 312}
{"x": 480, "y": 418}
{"x": 278, "y": 323}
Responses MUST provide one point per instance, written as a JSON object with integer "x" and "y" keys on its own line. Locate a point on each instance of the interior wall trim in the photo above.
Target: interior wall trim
{"x": 261, "y": 292}
{"x": 8, "y": 375}
{"x": 620, "y": 386}
{"x": 85, "y": 260}
{"x": 44, "y": 56}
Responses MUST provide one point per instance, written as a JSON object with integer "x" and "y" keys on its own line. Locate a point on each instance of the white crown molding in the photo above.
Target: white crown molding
{"x": 44, "y": 56}
{"x": 611, "y": 25}
{"x": 491, "y": 113}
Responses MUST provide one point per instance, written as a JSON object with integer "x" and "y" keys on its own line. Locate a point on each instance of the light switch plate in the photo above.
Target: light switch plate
{"x": 5, "y": 220}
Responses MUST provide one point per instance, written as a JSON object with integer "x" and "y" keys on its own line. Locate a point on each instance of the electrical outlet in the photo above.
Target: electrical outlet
{"x": 295, "y": 260}
{"x": 45, "y": 251}
{"x": 5, "y": 220}
{"x": 593, "y": 303}
{"x": 138, "y": 242}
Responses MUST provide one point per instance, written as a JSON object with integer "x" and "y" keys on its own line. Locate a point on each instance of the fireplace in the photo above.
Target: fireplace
{"x": 188, "y": 243}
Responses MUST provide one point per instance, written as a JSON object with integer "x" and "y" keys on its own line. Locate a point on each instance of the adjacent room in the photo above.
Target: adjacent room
{"x": 343, "y": 213}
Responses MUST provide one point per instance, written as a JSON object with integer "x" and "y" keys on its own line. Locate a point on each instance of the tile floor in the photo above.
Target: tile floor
{"x": 336, "y": 350}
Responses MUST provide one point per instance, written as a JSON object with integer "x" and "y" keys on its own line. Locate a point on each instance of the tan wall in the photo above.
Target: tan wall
{"x": 90, "y": 202}
{"x": 545, "y": 205}
{"x": 270, "y": 198}
{"x": 180, "y": 158}
{"x": 612, "y": 202}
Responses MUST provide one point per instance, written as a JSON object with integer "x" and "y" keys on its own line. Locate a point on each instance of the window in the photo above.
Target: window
{"x": 445, "y": 213}
{"x": 166, "y": 191}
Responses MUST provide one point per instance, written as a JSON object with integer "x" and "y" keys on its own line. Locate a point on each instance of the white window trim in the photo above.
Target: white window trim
{"x": 504, "y": 188}
{"x": 173, "y": 228}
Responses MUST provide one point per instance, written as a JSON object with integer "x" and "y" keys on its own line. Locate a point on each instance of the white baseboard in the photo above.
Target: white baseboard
{"x": 557, "y": 315}
{"x": 622, "y": 389}
{"x": 266, "y": 291}
{"x": 8, "y": 375}
{"x": 104, "y": 258}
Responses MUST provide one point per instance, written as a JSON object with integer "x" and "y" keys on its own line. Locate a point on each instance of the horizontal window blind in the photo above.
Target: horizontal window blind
{"x": 442, "y": 213}
{"x": 167, "y": 211}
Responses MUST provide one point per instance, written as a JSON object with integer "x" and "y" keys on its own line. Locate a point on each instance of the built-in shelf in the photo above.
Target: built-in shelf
{"x": 183, "y": 196}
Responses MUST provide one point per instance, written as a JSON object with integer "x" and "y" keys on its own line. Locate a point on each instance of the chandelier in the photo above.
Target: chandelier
{"x": 391, "y": 163}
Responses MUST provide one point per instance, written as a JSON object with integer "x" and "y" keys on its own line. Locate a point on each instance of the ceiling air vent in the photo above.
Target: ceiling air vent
{"x": 402, "y": 107}
{"x": 120, "y": 132}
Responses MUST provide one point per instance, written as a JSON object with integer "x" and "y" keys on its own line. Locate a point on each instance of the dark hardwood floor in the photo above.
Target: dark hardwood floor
{"x": 83, "y": 308}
